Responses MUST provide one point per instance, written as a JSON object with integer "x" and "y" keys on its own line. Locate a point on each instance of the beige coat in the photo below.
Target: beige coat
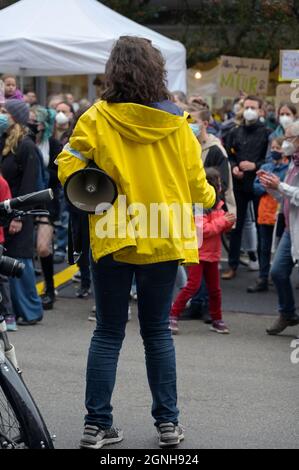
{"x": 229, "y": 194}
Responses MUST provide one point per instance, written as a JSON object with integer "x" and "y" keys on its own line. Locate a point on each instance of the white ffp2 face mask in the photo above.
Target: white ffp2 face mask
{"x": 250, "y": 115}
{"x": 61, "y": 118}
{"x": 285, "y": 121}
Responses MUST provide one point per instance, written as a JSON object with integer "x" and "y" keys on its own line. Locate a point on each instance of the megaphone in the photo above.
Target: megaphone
{"x": 91, "y": 190}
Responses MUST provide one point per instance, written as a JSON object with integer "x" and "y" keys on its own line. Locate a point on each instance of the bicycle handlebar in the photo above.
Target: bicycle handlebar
{"x": 27, "y": 201}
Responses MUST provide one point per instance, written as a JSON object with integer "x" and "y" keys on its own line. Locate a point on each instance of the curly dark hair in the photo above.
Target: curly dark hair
{"x": 135, "y": 73}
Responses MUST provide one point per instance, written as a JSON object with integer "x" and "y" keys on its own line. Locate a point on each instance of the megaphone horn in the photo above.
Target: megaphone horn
{"x": 90, "y": 190}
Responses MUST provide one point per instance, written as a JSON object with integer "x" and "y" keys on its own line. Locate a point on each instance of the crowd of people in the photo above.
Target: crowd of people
{"x": 32, "y": 136}
{"x": 242, "y": 166}
{"x": 251, "y": 158}
{"x": 256, "y": 152}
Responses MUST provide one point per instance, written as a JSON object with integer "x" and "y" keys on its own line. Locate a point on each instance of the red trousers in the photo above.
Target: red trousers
{"x": 210, "y": 272}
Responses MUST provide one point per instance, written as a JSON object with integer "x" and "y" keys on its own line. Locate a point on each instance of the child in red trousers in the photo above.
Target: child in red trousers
{"x": 211, "y": 225}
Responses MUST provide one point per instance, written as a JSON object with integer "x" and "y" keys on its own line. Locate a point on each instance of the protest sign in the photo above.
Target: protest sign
{"x": 287, "y": 93}
{"x": 237, "y": 74}
{"x": 289, "y": 65}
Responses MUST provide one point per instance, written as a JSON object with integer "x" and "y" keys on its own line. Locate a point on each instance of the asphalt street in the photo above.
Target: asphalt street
{"x": 236, "y": 391}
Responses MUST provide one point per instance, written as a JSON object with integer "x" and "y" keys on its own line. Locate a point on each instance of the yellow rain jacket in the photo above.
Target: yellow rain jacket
{"x": 154, "y": 158}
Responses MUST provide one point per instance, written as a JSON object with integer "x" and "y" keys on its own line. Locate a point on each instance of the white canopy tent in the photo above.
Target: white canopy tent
{"x": 69, "y": 37}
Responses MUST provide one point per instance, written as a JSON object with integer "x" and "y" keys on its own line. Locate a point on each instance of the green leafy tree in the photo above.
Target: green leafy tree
{"x": 6, "y": 3}
{"x": 137, "y": 10}
{"x": 246, "y": 28}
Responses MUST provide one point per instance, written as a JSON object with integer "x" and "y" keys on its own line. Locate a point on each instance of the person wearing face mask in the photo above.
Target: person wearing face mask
{"x": 62, "y": 131}
{"x": 20, "y": 167}
{"x": 271, "y": 120}
{"x": 287, "y": 113}
{"x": 213, "y": 156}
{"x": 213, "y": 153}
{"x": 267, "y": 213}
{"x": 135, "y": 121}
{"x": 42, "y": 125}
{"x": 247, "y": 147}
{"x": 287, "y": 253}
{"x": 64, "y": 118}
{"x": 31, "y": 98}
{"x": 230, "y": 124}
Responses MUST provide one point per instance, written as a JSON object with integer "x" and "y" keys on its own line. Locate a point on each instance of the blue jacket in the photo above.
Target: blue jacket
{"x": 278, "y": 170}
{"x": 279, "y": 132}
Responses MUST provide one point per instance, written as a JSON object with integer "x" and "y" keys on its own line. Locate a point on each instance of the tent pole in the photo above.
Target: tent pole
{"x": 22, "y": 70}
{"x": 91, "y": 88}
{"x": 41, "y": 90}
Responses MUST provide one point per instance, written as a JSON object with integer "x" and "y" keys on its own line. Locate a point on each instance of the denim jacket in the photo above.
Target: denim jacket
{"x": 278, "y": 170}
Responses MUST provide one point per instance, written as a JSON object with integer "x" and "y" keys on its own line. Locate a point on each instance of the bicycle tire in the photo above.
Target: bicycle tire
{"x": 32, "y": 427}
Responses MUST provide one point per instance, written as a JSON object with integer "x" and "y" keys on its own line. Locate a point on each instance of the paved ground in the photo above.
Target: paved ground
{"x": 239, "y": 391}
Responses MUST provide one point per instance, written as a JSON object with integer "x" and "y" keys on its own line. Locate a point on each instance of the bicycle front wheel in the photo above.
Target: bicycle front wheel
{"x": 21, "y": 424}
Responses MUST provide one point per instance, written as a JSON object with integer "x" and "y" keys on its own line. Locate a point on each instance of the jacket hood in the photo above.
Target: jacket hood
{"x": 139, "y": 123}
{"x": 210, "y": 142}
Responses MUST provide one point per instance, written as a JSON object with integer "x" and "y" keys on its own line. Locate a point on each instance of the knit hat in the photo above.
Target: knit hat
{"x": 19, "y": 111}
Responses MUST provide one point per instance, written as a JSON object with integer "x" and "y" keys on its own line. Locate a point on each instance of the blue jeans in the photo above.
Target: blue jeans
{"x": 62, "y": 227}
{"x": 25, "y": 300}
{"x": 266, "y": 237}
{"x": 243, "y": 199}
{"x": 281, "y": 274}
{"x": 112, "y": 284}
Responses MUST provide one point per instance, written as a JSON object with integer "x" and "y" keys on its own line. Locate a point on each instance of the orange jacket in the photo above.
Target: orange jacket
{"x": 267, "y": 210}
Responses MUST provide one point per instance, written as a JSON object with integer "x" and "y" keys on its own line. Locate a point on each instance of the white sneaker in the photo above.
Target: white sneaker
{"x": 129, "y": 314}
{"x": 92, "y": 316}
{"x": 253, "y": 266}
{"x": 170, "y": 435}
{"x": 133, "y": 295}
{"x": 95, "y": 438}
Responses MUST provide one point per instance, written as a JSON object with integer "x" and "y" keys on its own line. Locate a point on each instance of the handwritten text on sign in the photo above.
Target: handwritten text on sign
{"x": 289, "y": 65}
{"x": 237, "y": 74}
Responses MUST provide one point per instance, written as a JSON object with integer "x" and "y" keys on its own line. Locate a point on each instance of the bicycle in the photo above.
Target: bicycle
{"x": 21, "y": 423}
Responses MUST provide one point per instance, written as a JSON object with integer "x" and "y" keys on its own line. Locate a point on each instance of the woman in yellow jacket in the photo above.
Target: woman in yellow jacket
{"x": 143, "y": 141}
